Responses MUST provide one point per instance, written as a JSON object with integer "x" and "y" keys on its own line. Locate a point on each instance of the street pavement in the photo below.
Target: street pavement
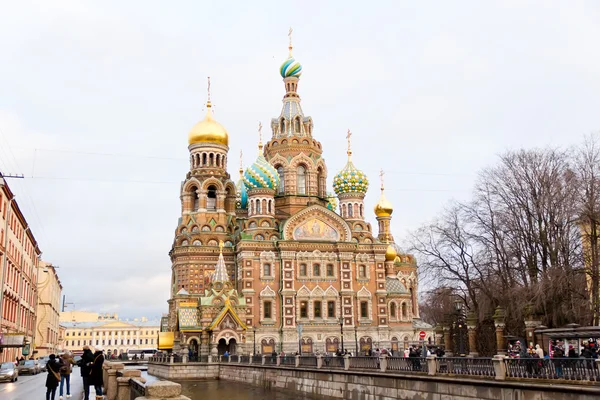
{"x": 34, "y": 387}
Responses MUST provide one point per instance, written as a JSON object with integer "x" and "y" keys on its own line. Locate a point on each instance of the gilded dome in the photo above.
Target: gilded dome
{"x": 350, "y": 180}
{"x": 290, "y": 67}
{"x": 261, "y": 175}
{"x": 390, "y": 253}
{"x": 208, "y": 130}
{"x": 383, "y": 208}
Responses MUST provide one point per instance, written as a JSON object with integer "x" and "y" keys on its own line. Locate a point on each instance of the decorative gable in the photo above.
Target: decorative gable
{"x": 317, "y": 223}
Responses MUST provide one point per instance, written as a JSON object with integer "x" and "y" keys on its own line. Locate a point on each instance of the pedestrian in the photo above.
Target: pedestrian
{"x": 539, "y": 351}
{"x": 53, "y": 377}
{"x": 96, "y": 373}
{"x": 65, "y": 374}
{"x": 85, "y": 367}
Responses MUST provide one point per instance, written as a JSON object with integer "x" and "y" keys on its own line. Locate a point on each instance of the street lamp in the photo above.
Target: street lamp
{"x": 254, "y": 338}
{"x": 460, "y": 327}
{"x": 299, "y": 328}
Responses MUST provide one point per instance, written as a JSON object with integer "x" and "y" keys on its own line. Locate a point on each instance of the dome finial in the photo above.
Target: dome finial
{"x": 381, "y": 174}
{"x": 383, "y": 208}
{"x": 349, "y": 152}
{"x": 208, "y": 103}
{"x": 241, "y": 163}
{"x": 260, "y": 145}
{"x": 290, "y": 36}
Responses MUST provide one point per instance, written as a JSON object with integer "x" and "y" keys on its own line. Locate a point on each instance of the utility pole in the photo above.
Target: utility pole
{"x": 64, "y": 303}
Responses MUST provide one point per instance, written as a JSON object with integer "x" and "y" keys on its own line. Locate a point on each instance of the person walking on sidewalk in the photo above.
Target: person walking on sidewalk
{"x": 85, "y": 366}
{"x": 96, "y": 376}
{"x": 53, "y": 377}
{"x": 65, "y": 374}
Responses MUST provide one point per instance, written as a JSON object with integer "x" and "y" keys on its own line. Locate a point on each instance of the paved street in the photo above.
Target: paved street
{"x": 33, "y": 388}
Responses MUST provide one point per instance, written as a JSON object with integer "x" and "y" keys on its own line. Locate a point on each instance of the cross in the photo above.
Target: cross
{"x": 241, "y": 163}
{"x": 348, "y": 138}
{"x": 290, "y": 36}
{"x": 208, "y": 90}
{"x": 260, "y": 131}
{"x": 381, "y": 173}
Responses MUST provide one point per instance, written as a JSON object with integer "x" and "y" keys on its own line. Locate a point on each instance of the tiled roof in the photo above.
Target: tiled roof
{"x": 393, "y": 285}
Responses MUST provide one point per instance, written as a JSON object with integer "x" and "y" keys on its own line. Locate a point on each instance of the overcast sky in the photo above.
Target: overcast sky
{"x": 97, "y": 99}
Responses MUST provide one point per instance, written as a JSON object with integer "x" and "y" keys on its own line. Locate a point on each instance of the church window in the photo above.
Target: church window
{"x": 281, "y": 125}
{"x": 302, "y": 269}
{"x": 301, "y": 180}
{"x": 364, "y": 309}
{"x": 280, "y": 172}
{"x": 316, "y": 270}
{"x": 267, "y": 309}
{"x": 267, "y": 270}
{"x": 303, "y": 309}
{"x": 211, "y": 203}
{"x": 329, "y": 269}
{"x": 404, "y": 311}
{"x": 317, "y": 309}
{"x": 196, "y": 199}
{"x": 361, "y": 211}
{"x": 211, "y": 159}
{"x": 362, "y": 271}
{"x": 203, "y": 159}
{"x": 297, "y": 125}
{"x": 270, "y": 212}
{"x": 344, "y": 211}
{"x": 259, "y": 237}
{"x": 349, "y": 210}
{"x": 264, "y": 205}
{"x": 393, "y": 310}
{"x": 257, "y": 206}
{"x": 331, "y": 309}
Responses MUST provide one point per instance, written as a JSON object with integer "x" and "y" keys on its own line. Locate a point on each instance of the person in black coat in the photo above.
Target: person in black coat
{"x": 53, "y": 377}
{"x": 96, "y": 376}
{"x": 85, "y": 366}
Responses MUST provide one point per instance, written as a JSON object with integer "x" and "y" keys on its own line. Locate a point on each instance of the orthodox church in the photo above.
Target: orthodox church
{"x": 275, "y": 263}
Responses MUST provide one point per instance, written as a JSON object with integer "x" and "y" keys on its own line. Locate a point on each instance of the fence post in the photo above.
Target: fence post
{"x": 432, "y": 365}
{"x": 263, "y": 359}
{"x": 383, "y": 362}
{"x": 346, "y": 362}
{"x": 251, "y": 358}
{"x": 171, "y": 358}
{"x": 278, "y": 360}
{"x": 297, "y": 361}
{"x": 499, "y": 367}
{"x": 319, "y": 361}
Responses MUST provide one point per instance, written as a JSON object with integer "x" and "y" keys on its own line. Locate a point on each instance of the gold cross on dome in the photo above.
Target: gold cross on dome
{"x": 241, "y": 156}
{"x": 381, "y": 173}
{"x": 208, "y": 89}
{"x": 290, "y": 36}
{"x": 348, "y": 138}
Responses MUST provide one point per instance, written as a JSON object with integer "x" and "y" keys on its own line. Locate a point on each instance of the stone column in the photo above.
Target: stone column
{"x": 319, "y": 361}
{"x": 383, "y": 362}
{"x": 499, "y": 367}
{"x": 346, "y": 362}
{"x": 499, "y": 318}
{"x": 111, "y": 385}
{"x": 448, "y": 345}
{"x": 472, "y": 329}
{"x": 431, "y": 365}
{"x": 123, "y": 383}
{"x": 531, "y": 325}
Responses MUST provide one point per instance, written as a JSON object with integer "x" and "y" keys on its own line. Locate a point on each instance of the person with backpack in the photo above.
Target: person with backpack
{"x": 65, "y": 374}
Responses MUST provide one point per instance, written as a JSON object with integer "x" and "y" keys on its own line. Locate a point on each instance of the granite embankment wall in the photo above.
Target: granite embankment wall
{"x": 358, "y": 385}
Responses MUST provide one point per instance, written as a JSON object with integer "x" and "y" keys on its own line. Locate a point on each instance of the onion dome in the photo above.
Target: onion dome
{"x": 390, "y": 253}
{"x": 208, "y": 130}
{"x": 290, "y": 67}
{"x": 261, "y": 175}
{"x": 241, "y": 200}
{"x": 383, "y": 208}
{"x": 332, "y": 202}
{"x": 350, "y": 180}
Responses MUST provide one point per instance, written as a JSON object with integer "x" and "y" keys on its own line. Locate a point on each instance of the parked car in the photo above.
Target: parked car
{"x": 9, "y": 372}
{"x": 29, "y": 367}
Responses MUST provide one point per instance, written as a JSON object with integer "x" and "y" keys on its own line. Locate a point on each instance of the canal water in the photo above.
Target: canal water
{"x": 224, "y": 390}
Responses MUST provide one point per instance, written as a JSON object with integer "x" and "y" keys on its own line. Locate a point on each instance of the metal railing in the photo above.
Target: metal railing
{"x": 270, "y": 360}
{"x": 245, "y": 359}
{"x": 407, "y": 364}
{"x": 288, "y": 360}
{"x": 136, "y": 389}
{"x": 466, "y": 366}
{"x": 364, "y": 363}
{"x": 308, "y": 361}
{"x": 256, "y": 359}
{"x": 574, "y": 369}
{"x": 333, "y": 362}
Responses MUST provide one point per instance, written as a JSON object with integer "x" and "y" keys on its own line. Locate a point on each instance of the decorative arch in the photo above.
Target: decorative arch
{"x": 331, "y": 292}
{"x": 192, "y": 182}
{"x": 364, "y": 292}
{"x": 321, "y": 215}
{"x": 278, "y": 160}
{"x": 303, "y": 292}
{"x": 267, "y": 292}
{"x": 317, "y": 292}
{"x": 302, "y": 159}
{"x": 214, "y": 181}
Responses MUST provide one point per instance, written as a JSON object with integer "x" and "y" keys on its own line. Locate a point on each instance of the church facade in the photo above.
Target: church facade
{"x": 275, "y": 263}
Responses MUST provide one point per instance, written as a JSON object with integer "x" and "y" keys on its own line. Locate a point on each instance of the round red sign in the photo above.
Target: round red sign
{"x": 422, "y": 334}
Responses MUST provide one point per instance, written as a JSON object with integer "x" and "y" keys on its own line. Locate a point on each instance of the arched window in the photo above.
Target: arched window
{"x": 297, "y": 125}
{"x": 281, "y": 188}
{"x": 344, "y": 210}
{"x": 320, "y": 182}
{"x": 281, "y": 126}
{"x": 194, "y": 192}
{"x": 257, "y": 208}
{"x": 349, "y": 210}
{"x": 211, "y": 159}
{"x": 301, "y": 180}
{"x": 404, "y": 311}
{"x": 203, "y": 159}
{"x": 393, "y": 310}
{"x": 267, "y": 270}
{"x": 362, "y": 271}
{"x": 211, "y": 201}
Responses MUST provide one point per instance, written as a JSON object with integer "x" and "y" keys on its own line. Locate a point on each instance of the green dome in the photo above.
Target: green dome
{"x": 350, "y": 180}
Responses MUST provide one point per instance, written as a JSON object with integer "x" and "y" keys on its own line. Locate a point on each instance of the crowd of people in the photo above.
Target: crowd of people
{"x": 60, "y": 369}
{"x": 558, "y": 349}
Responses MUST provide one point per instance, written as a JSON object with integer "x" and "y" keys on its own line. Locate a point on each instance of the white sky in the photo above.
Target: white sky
{"x": 432, "y": 90}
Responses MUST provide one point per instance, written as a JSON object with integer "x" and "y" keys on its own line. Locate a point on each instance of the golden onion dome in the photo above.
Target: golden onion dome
{"x": 208, "y": 130}
{"x": 383, "y": 208}
{"x": 397, "y": 260}
{"x": 390, "y": 253}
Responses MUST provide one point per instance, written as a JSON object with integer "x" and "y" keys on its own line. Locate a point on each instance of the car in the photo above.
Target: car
{"x": 29, "y": 367}
{"x": 9, "y": 372}
{"x": 42, "y": 365}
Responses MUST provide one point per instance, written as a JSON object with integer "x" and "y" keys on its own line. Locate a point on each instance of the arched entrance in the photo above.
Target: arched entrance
{"x": 366, "y": 344}
{"x": 307, "y": 346}
{"x": 332, "y": 345}
{"x": 193, "y": 350}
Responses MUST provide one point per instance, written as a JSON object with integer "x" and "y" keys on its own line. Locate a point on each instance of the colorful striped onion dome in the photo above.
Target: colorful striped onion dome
{"x": 332, "y": 202}
{"x": 290, "y": 67}
{"x": 241, "y": 195}
{"x": 350, "y": 180}
{"x": 261, "y": 175}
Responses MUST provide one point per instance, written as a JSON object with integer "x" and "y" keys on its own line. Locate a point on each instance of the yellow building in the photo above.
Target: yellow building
{"x": 86, "y": 316}
{"x": 48, "y": 306}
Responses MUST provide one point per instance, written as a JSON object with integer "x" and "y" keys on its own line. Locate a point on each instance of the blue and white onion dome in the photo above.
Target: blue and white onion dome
{"x": 350, "y": 180}
{"x": 290, "y": 67}
{"x": 332, "y": 202}
{"x": 241, "y": 200}
{"x": 261, "y": 175}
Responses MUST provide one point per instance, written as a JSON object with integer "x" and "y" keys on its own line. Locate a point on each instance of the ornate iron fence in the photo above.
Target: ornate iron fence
{"x": 574, "y": 369}
{"x": 466, "y": 366}
{"x": 364, "y": 363}
{"x": 308, "y": 361}
{"x": 405, "y": 364}
{"x": 333, "y": 362}
{"x": 288, "y": 360}
{"x": 136, "y": 389}
{"x": 245, "y": 359}
{"x": 256, "y": 359}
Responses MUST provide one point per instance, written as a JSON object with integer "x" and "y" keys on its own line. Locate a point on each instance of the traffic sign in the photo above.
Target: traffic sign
{"x": 422, "y": 334}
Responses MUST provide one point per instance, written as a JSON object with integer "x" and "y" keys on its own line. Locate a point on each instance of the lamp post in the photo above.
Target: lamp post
{"x": 299, "y": 328}
{"x": 254, "y": 338}
{"x": 460, "y": 327}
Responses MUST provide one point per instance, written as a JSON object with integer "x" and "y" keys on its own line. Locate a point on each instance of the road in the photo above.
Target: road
{"x": 34, "y": 387}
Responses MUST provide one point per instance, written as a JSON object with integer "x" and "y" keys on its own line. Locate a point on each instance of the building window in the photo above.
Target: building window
{"x": 302, "y": 269}
{"x": 281, "y": 188}
{"x": 133, "y": 341}
{"x": 301, "y": 180}
{"x": 317, "y": 309}
{"x": 331, "y": 309}
{"x": 404, "y": 312}
{"x": 211, "y": 201}
{"x": 267, "y": 310}
{"x": 109, "y": 342}
{"x": 146, "y": 341}
{"x": 364, "y": 309}
{"x": 267, "y": 270}
{"x": 393, "y": 310}
{"x": 316, "y": 270}
{"x": 303, "y": 309}
{"x": 362, "y": 271}
{"x": 329, "y": 269}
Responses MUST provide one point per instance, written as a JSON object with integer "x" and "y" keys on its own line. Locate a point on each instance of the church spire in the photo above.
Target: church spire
{"x": 220, "y": 274}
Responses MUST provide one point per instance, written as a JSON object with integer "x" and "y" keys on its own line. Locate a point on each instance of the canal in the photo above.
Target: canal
{"x": 225, "y": 390}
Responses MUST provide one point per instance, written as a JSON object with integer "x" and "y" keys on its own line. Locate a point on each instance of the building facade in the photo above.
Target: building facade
{"x": 115, "y": 336}
{"x": 47, "y": 335}
{"x": 19, "y": 260}
{"x": 276, "y": 263}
